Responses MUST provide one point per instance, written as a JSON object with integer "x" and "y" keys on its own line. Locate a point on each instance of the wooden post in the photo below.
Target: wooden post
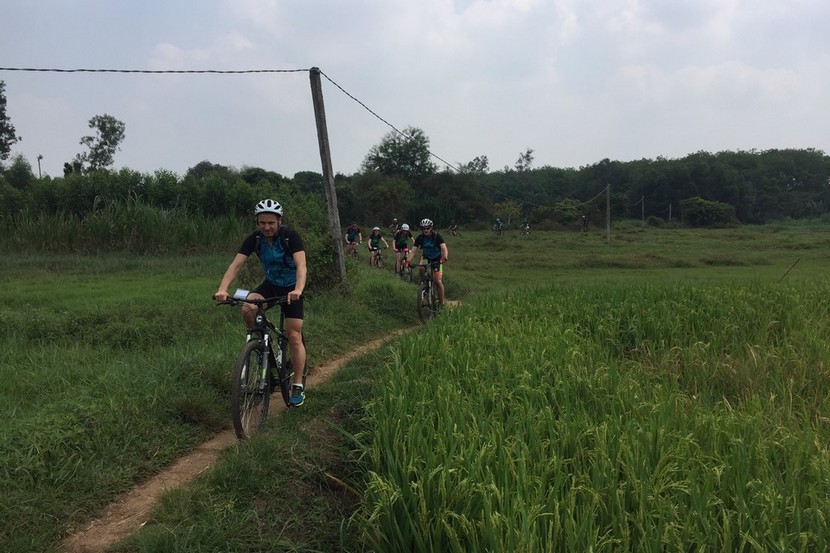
{"x": 643, "y": 208}
{"x": 328, "y": 174}
{"x": 608, "y": 212}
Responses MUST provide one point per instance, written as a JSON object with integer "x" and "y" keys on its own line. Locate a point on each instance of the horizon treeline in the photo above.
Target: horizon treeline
{"x": 760, "y": 186}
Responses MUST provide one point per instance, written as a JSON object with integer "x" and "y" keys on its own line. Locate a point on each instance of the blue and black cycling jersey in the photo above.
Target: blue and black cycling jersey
{"x": 277, "y": 257}
{"x": 430, "y": 246}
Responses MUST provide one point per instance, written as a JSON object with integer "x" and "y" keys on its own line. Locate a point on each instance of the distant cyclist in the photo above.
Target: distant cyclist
{"x": 374, "y": 245}
{"x": 401, "y": 245}
{"x": 453, "y": 228}
{"x": 434, "y": 251}
{"x": 394, "y": 227}
{"x": 498, "y": 227}
{"x": 352, "y": 238}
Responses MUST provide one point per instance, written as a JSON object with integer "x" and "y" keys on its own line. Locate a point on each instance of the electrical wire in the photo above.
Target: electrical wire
{"x": 449, "y": 165}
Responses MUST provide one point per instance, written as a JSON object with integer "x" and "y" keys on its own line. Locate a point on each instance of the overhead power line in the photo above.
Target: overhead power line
{"x": 154, "y": 71}
{"x": 449, "y": 165}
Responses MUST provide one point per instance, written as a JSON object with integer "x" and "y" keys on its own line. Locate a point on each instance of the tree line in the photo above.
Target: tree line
{"x": 399, "y": 178}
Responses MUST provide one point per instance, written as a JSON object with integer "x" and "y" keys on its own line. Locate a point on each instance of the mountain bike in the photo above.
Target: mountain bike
{"x": 262, "y": 366}
{"x": 428, "y": 304}
{"x": 406, "y": 270}
{"x": 378, "y": 261}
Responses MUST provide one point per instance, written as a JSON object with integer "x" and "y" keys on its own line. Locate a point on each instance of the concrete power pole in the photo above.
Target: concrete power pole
{"x": 328, "y": 175}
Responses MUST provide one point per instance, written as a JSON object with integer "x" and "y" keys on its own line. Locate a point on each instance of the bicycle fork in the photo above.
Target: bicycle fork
{"x": 267, "y": 358}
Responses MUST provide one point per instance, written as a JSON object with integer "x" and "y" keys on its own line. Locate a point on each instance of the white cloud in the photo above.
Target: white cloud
{"x": 576, "y": 80}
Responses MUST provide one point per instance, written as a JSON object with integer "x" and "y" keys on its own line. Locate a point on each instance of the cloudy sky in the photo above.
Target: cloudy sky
{"x": 575, "y": 80}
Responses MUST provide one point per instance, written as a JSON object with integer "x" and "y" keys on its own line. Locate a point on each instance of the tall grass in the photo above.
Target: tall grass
{"x": 114, "y": 366}
{"x": 657, "y": 418}
{"x": 120, "y": 226}
{"x": 652, "y": 401}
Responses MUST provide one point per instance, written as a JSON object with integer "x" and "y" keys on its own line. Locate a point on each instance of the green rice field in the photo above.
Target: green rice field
{"x": 648, "y": 390}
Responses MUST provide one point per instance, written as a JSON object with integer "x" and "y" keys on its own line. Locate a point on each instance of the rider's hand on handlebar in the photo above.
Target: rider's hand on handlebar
{"x": 220, "y": 296}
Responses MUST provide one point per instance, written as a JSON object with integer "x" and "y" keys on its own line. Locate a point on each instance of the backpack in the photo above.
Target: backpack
{"x": 284, "y": 243}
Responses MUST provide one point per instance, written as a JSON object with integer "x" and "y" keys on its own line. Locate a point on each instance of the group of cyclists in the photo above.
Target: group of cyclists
{"x": 282, "y": 253}
{"x": 431, "y": 244}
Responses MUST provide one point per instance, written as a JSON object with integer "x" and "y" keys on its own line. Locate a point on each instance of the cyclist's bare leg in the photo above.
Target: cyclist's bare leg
{"x": 249, "y": 310}
{"x": 294, "y": 331}
{"x": 439, "y": 284}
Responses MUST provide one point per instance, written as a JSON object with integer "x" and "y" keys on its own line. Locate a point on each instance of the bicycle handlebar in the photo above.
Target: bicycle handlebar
{"x": 276, "y": 300}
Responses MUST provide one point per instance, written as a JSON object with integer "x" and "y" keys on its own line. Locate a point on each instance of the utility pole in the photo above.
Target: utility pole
{"x": 608, "y": 212}
{"x": 328, "y": 175}
{"x": 39, "y": 157}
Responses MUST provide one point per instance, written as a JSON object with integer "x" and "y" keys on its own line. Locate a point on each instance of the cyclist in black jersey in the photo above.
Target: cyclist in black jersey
{"x": 282, "y": 253}
{"x": 434, "y": 251}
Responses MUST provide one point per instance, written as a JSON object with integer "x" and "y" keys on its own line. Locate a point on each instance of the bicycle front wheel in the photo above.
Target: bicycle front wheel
{"x": 379, "y": 261}
{"x": 286, "y": 374}
{"x": 425, "y": 302}
{"x": 250, "y": 392}
{"x": 406, "y": 274}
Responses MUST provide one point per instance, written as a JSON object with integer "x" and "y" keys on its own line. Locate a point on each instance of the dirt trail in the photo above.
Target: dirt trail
{"x": 130, "y": 512}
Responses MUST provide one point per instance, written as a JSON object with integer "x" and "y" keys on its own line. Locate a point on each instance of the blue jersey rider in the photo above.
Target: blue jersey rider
{"x": 282, "y": 253}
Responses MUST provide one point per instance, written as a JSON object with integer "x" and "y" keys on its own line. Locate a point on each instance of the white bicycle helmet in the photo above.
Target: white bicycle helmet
{"x": 426, "y": 223}
{"x": 268, "y": 206}
{"x": 404, "y": 227}
{"x": 375, "y": 228}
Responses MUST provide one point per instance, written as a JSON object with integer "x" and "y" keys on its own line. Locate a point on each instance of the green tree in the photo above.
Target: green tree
{"x": 19, "y": 173}
{"x": 404, "y": 154}
{"x": 698, "y": 212}
{"x": 479, "y": 166}
{"x": 381, "y": 197}
{"x": 525, "y": 161}
{"x": 8, "y": 135}
{"x": 508, "y": 210}
{"x": 109, "y": 133}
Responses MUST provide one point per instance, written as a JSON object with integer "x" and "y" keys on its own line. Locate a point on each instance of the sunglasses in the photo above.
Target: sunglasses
{"x": 427, "y": 228}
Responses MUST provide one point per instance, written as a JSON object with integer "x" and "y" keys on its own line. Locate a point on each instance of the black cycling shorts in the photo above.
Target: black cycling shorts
{"x": 268, "y": 290}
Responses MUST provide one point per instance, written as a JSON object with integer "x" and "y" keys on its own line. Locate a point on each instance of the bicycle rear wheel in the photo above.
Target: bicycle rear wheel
{"x": 250, "y": 392}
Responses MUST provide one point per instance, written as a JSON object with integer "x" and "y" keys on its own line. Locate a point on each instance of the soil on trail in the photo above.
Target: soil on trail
{"x": 129, "y": 513}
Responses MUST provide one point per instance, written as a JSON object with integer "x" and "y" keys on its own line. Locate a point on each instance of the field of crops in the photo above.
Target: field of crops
{"x": 609, "y": 418}
{"x": 664, "y": 390}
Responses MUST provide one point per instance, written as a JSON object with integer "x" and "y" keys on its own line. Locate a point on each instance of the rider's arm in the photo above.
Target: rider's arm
{"x": 230, "y": 275}
{"x": 302, "y": 272}
{"x": 385, "y": 243}
{"x": 444, "y": 251}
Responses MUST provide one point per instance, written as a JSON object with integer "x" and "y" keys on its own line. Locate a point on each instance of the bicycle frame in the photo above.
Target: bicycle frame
{"x": 427, "y": 295}
{"x": 261, "y": 366}
{"x": 265, "y": 328}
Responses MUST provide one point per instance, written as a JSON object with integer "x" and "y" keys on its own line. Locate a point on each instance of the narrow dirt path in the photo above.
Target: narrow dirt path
{"x": 130, "y": 512}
